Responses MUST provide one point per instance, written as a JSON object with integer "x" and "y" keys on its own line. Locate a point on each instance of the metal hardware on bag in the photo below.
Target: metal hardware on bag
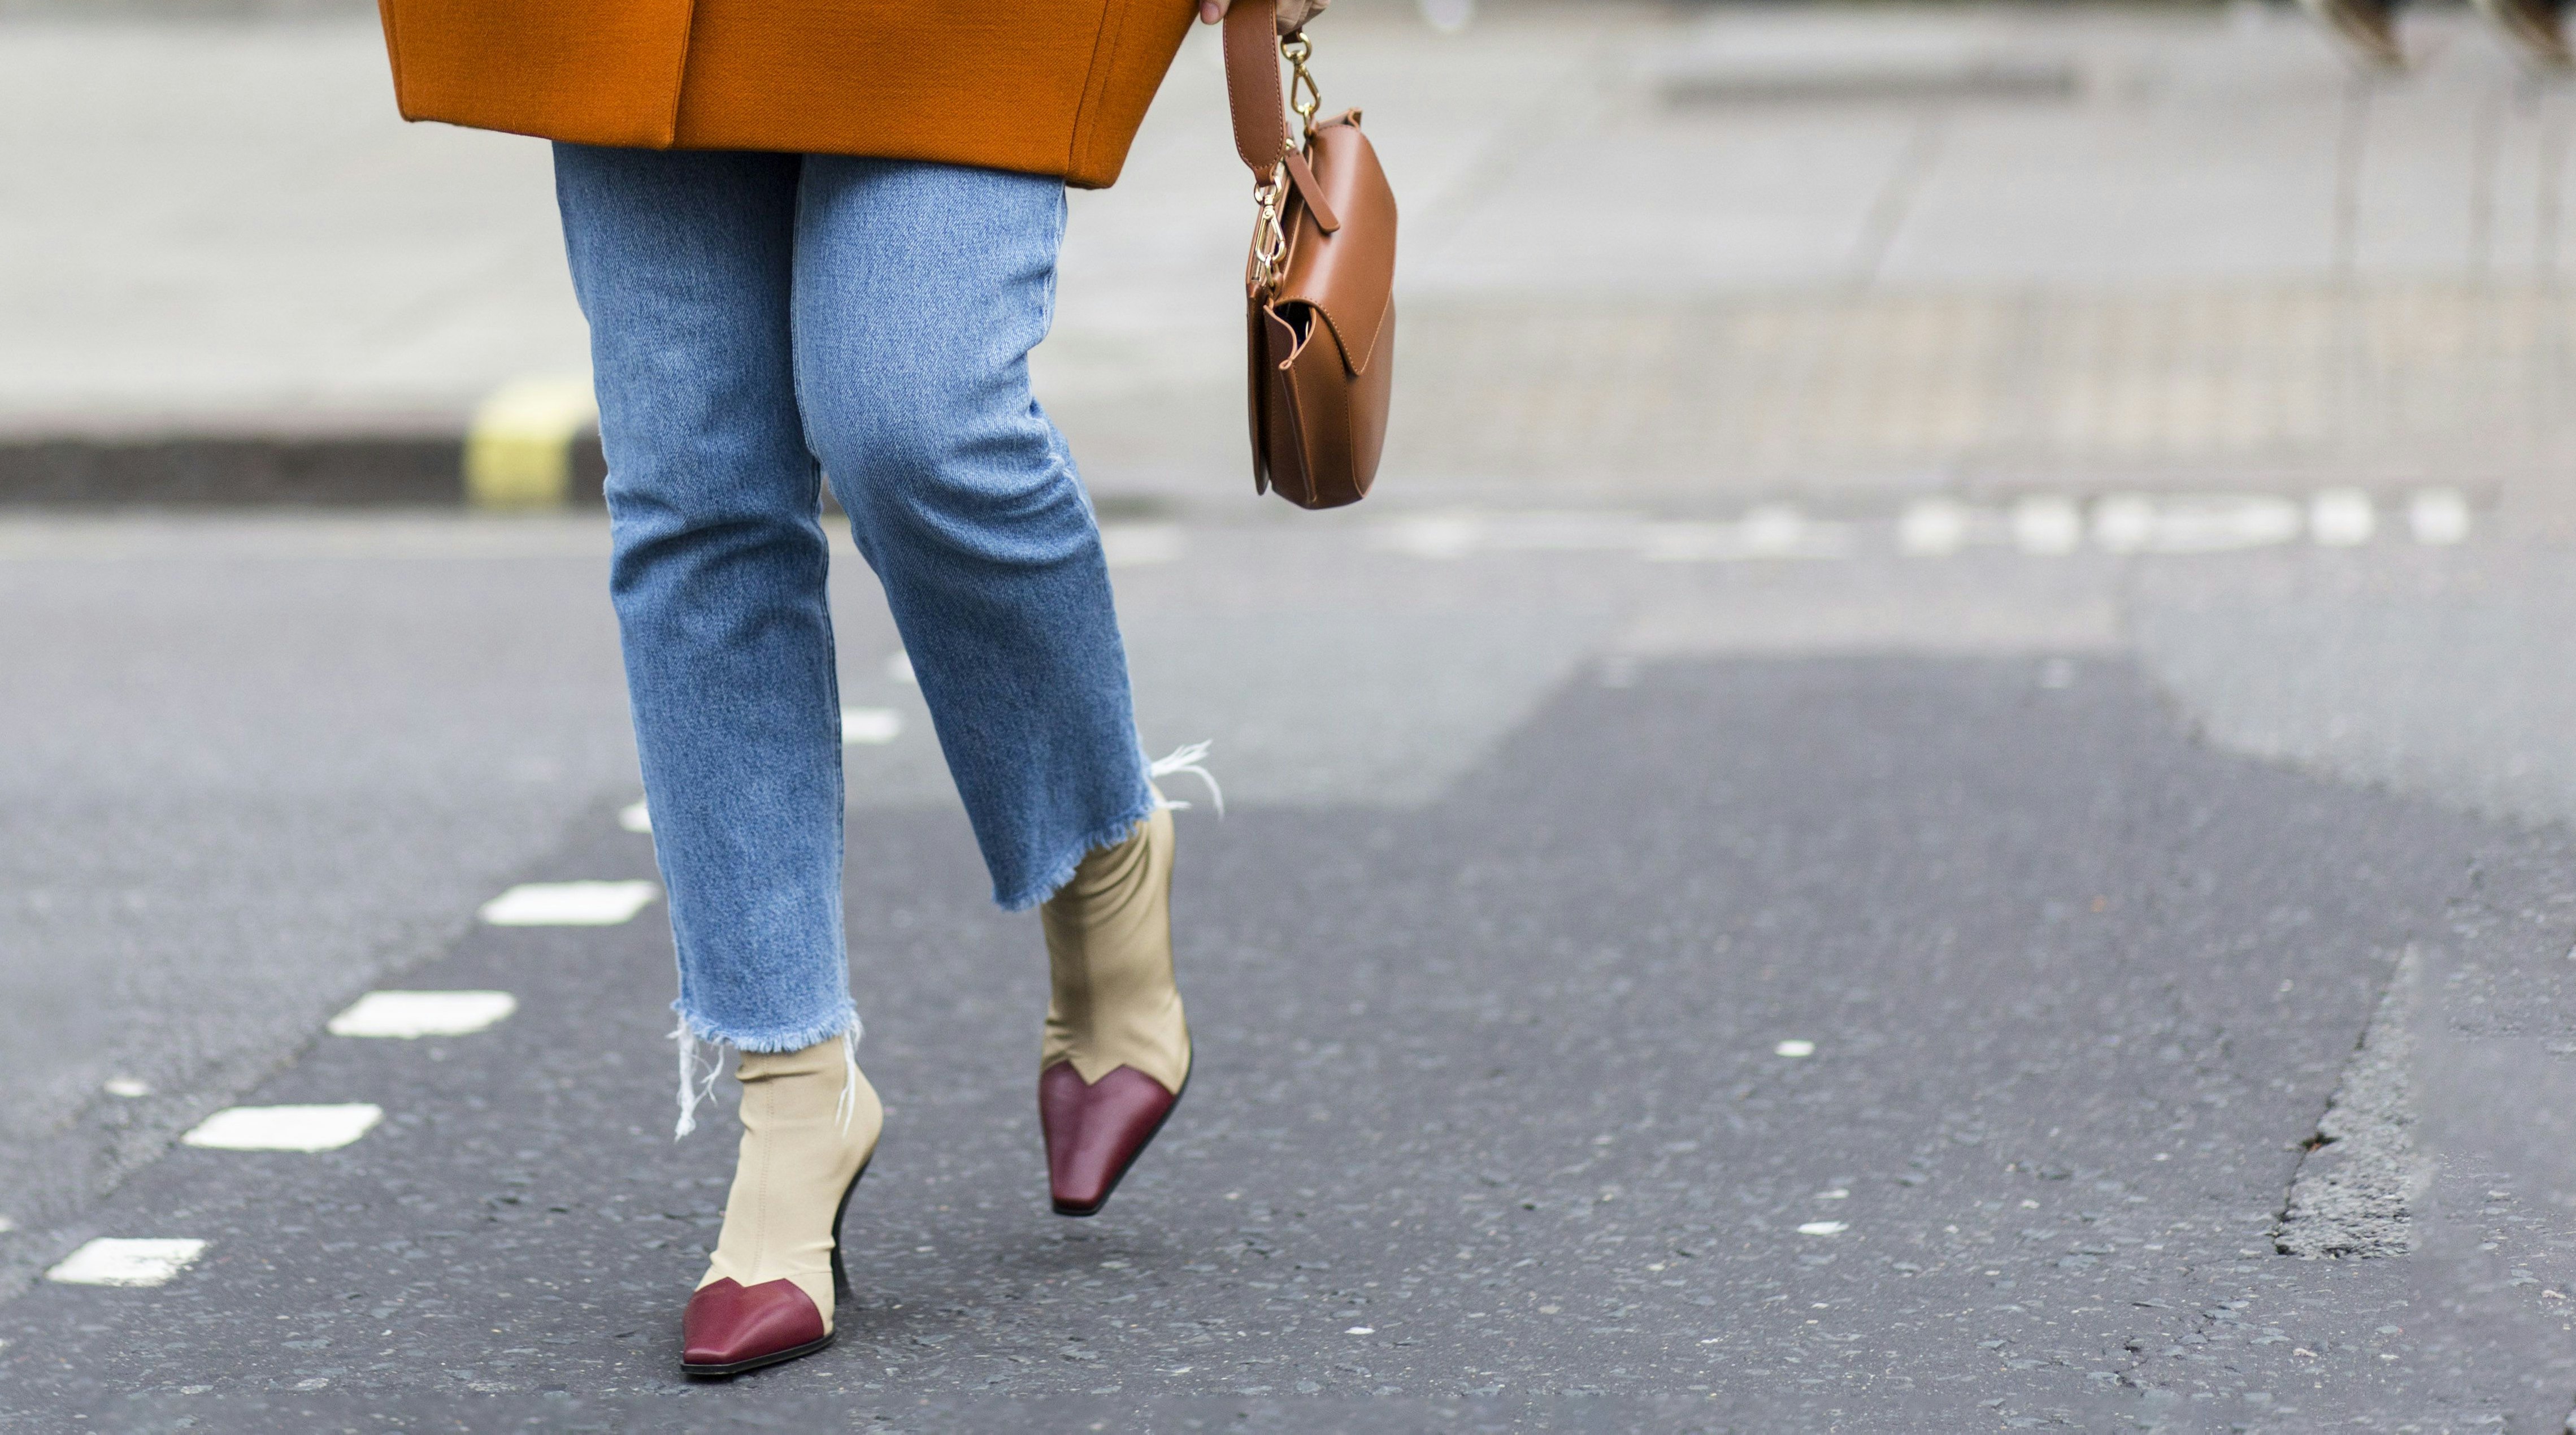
{"x": 1303, "y": 95}
{"x": 1269, "y": 241}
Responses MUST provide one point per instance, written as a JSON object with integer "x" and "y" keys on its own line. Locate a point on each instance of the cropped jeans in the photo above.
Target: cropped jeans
{"x": 761, "y": 323}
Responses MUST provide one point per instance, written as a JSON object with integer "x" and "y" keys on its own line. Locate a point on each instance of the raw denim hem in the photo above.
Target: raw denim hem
{"x": 1109, "y": 836}
{"x": 756, "y": 1039}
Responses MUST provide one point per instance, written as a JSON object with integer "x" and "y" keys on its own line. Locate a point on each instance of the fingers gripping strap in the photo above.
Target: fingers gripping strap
{"x": 1252, "y": 84}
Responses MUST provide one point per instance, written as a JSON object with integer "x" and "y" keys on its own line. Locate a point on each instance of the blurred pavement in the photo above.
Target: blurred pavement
{"x": 2026, "y": 548}
{"x": 1670, "y": 257}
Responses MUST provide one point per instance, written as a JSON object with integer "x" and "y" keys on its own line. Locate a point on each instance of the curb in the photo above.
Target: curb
{"x": 257, "y": 470}
{"x": 533, "y": 444}
{"x": 279, "y": 470}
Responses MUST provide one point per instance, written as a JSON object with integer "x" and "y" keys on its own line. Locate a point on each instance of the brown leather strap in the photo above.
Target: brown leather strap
{"x": 1252, "y": 84}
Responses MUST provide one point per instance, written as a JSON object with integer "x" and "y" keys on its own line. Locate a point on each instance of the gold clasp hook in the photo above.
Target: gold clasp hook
{"x": 1303, "y": 95}
{"x": 1269, "y": 240}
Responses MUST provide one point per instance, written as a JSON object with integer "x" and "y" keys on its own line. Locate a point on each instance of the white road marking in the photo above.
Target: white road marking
{"x": 1794, "y": 1047}
{"x": 2438, "y": 516}
{"x": 1932, "y": 528}
{"x": 569, "y": 904}
{"x": 2341, "y": 518}
{"x": 1823, "y": 1228}
{"x": 284, "y": 1128}
{"x": 872, "y": 726}
{"x": 899, "y": 667}
{"x": 1434, "y": 536}
{"x": 1133, "y": 545}
{"x": 2124, "y": 523}
{"x": 2050, "y": 527}
{"x": 2223, "y": 523}
{"x": 418, "y": 1014}
{"x": 111, "y": 1261}
{"x": 1774, "y": 530}
{"x": 7, "y": 1225}
{"x": 125, "y": 1086}
{"x": 635, "y": 816}
{"x": 1836, "y": 1194}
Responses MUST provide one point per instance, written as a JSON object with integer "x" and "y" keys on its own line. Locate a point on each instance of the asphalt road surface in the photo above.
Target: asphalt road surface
{"x": 1661, "y": 977}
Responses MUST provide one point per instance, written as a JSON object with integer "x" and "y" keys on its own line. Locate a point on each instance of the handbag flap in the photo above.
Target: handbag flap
{"x": 1348, "y": 276}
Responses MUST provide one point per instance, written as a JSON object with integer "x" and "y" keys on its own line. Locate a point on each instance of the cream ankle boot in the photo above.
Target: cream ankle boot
{"x": 1117, "y": 1046}
{"x": 809, "y": 1124}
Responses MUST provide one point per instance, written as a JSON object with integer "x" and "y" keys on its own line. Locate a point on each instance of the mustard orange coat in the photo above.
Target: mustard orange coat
{"x": 1053, "y": 87}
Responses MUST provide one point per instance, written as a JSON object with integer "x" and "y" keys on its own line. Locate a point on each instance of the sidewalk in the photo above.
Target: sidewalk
{"x": 1679, "y": 259}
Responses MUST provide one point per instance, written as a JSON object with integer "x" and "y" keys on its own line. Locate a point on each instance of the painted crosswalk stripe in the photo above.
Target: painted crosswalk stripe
{"x": 1932, "y": 528}
{"x": 870, "y": 725}
{"x": 114, "y": 1261}
{"x": 2341, "y": 518}
{"x": 418, "y": 1014}
{"x": 284, "y": 1128}
{"x": 2050, "y": 527}
{"x": 569, "y": 904}
{"x": 1134, "y": 545}
{"x": 2438, "y": 516}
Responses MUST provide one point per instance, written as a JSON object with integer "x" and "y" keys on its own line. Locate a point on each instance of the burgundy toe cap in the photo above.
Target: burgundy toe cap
{"x": 1094, "y": 1130}
{"x": 730, "y": 1327}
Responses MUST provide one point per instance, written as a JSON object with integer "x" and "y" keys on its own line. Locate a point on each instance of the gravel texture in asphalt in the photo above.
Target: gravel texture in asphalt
{"x": 1491, "y": 1123}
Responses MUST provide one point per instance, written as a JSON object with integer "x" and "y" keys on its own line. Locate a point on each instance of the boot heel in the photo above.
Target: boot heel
{"x": 841, "y": 1273}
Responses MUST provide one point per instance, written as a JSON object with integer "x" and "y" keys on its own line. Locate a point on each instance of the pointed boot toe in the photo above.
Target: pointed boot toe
{"x": 1095, "y": 1130}
{"x": 730, "y": 1328}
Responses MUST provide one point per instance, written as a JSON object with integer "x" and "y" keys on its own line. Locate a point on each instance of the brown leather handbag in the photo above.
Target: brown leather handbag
{"x": 1320, "y": 285}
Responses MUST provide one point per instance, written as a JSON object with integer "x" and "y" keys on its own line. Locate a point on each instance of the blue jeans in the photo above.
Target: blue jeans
{"x": 760, "y": 321}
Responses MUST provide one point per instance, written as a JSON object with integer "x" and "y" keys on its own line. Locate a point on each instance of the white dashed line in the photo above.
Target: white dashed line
{"x": 569, "y": 904}
{"x": 2131, "y": 524}
{"x": 1361, "y": 1330}
{"x": 635, "y": 817}
{"x": 284, "y": 1128}
{"x": 2341, "y": 518}
{"x": 418, "y": 1014}
{"x": 870, "y": 725}
{"x": 2049, "y": 527}
{"x": 1771, "y": 531}
{"x": 1794, "y": 1048}
{"x": 126, "y": 1087}
{"x": 1823, "y": 1228}
{"x": 110, "y": 1261}
{"x": 1932, "y": 528}
{"x": 1134, "y": 545}
{"x": 2438, "y": 516}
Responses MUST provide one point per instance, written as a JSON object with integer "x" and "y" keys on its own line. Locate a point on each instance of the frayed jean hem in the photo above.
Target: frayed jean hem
{"x": 767, "y": 1039}
{"x": 1108, "y": 836}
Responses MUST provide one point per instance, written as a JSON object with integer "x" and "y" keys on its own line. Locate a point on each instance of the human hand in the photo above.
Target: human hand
{"x": 1293, "y": 14}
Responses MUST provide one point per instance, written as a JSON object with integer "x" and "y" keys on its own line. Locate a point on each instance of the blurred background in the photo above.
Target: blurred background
{"x": 2191, "y": 344}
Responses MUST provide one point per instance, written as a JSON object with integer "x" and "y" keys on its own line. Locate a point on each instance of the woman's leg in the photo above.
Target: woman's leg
{"x": 919, "y": 291}
{"x": 682, "y": 262}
